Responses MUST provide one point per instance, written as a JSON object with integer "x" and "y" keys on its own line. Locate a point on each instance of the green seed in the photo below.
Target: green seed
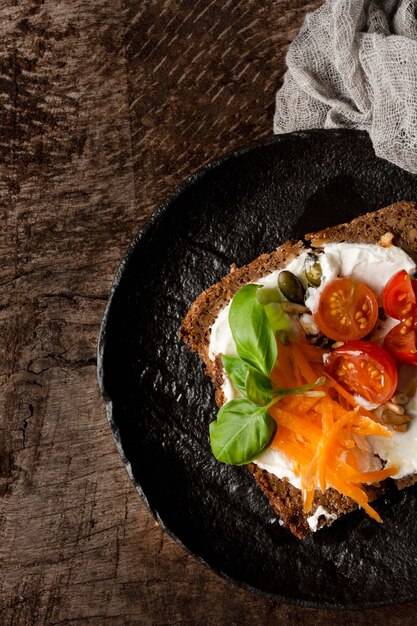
{"x": 312, "y": 269}
{"x": 291, "y": 287}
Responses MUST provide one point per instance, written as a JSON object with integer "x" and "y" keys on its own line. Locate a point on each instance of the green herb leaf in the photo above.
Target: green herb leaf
{"x": 241, "y": 432}
{"x": 266, "y": 295}
{"x": 304, "y": 390}
{"x": 258, "y": 388}
{"x": 251, "y": 330}
{"x": 277, "y": 317}
{"x": 237, "y": 370}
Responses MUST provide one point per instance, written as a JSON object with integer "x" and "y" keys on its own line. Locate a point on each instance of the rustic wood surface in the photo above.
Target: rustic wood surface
{"x": 105, "y": 106}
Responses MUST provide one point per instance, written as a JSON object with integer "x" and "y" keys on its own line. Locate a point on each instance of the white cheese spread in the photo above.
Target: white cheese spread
{"x": 314, "y": 519}
{"x": 373, "y": 265}
{"x": 274, "y": 462}
{"x": 367, "y": 263}
{"x": 401, "y": 448}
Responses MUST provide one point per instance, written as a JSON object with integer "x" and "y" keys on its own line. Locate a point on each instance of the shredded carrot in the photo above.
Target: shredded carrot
{"x": 376, "y": 476}
{"x": 308, "y": 499}
{"x": 314, "y": 354}
{"x": 285, "y": 374}
{"x": 365, "y": 425}
{"x": 346, "y": 395}
{"x": 296, "y": 424}
{"x": 303, "y": 365}
{"x": 353, "y": 492}
{"x": 320, "y": 435}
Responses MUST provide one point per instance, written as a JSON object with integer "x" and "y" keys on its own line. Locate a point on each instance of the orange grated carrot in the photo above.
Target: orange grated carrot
{"x": 296, "y": 424}
{"x": 291, "y": 371}
{"x": 284, "y": 375}
{"x": 345, "y": 394}
{"x": 308, "y": 500}
{"x": 367, "y": 426}
{"x": 355, "y": 493}
{"x": 314, "y": 354}
{"x": 303, "y": 365}
{"x": 375, "y": 476}
{"x": 320, "y": 435}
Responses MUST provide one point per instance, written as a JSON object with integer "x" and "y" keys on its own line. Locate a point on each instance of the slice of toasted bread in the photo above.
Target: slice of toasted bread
{"x": 400, "y": 220}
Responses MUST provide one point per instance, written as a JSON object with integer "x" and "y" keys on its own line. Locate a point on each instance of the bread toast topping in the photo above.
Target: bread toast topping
{"x": 373, "y": 265}
{"x": 338, "y": 410}
{"x": 368, "y": 263}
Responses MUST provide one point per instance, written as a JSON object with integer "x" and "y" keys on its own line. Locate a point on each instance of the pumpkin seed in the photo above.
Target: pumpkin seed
{"x": 291, "y": 287}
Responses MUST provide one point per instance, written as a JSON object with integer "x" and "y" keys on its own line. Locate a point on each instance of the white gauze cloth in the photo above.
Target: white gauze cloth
{"x": 354, "y": 65}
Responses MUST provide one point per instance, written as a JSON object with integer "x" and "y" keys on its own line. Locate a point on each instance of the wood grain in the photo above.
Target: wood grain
{"x": 104, "y": 107}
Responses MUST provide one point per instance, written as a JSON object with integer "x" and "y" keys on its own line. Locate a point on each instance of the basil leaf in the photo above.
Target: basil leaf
{"x": 237, "y": 370}
{"x": 241, "y": 432}
{"x": 258, "y": 388}
{"x": 251, "y": 330}
{"x": 266, "y": 295}
{"x": 304, "y": 390}
{"x": 277, "y": 317}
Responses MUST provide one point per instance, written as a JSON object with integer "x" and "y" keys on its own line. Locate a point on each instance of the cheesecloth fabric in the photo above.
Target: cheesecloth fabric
{"x": 354, "y": 65}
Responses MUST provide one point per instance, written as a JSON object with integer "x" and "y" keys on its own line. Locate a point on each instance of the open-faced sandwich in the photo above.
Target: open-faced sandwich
{"x": 312, "y": 351}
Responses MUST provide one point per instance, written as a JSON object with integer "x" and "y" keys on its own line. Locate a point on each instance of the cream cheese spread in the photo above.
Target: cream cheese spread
{"x": 373, "y": 265}
{"x": 314, "y": 519}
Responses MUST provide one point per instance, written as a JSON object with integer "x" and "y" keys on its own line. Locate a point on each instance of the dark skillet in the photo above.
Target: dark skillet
{"x": 160, "y": 403}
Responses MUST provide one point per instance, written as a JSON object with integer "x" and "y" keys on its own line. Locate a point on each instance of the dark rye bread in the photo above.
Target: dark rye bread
{"x": 400, "y": 220}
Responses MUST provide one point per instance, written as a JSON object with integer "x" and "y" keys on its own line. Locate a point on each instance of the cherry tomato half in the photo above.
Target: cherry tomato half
{"x": 347, "y": 310}
{"x": 398, "y": 296}
{"x": 364, "y": 369}
{"x": 401, "y": 341}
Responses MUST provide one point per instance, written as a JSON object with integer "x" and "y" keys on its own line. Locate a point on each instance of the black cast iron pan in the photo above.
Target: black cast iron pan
{"x": 159, "y": 402}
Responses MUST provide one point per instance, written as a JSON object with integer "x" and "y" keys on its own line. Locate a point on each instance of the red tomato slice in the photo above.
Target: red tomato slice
{"x": 399, "y": 297}
{"x": 401, "y": 341}
{"x": 347, "y": 310}
{"x": 364, "y": 369}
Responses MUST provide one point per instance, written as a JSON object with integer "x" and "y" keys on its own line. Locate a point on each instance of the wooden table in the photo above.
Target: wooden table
{"x": 105, "y": 107}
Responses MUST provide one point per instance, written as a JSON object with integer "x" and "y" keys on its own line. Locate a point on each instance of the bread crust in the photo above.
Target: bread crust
{"x": 400, "y": 220}
{"x": 196, "y": 327}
